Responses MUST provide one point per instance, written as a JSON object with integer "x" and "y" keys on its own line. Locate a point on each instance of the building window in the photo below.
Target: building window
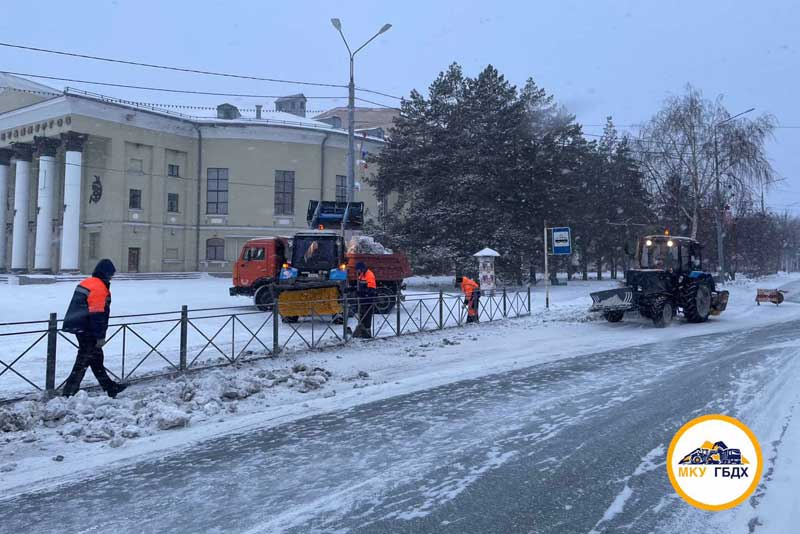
{"x": 136, "y": 165}
{"x": 341, "y": 188}
{"x": 217, "y": 200}
{"x": 171, "y": 254}
{"x": 94, "y": 245}
{"x": 174, "y": 170}
{"x": 284, "y": 192}
{"x": 172, "y": 202}
{"x": 215, "y": 249}
{"x": 135, "y": 199}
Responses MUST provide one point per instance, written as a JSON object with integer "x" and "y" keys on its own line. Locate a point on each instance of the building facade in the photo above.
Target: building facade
{"x": 83, "y": 177}
{"x": 372, "y": 122}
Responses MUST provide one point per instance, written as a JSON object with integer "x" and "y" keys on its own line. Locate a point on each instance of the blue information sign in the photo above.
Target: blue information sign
{"x": 562, "y": 241}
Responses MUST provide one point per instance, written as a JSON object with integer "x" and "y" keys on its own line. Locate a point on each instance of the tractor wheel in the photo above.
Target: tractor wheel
{"x": 662, "y": 312}
{"x": 264, "y": 299}
{"x": 385, "y": 301}
{"x": 614, "y": 316}
{"x": 697, "y": 302}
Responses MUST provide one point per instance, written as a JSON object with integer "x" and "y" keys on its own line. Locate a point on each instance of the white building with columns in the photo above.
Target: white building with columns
{"x": 83, "y": 177}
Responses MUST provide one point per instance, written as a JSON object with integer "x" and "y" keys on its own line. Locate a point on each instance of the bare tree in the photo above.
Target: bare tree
{"x": 691, "y": 144}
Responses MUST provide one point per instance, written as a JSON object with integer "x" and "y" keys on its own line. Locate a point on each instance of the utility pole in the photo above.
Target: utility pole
{"x": 351, "y": 107}
{"x": 720, "y": 211}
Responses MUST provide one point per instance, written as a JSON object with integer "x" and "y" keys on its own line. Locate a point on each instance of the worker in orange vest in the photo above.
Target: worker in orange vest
{"x": 472, "y": 292}
{"x": 367, "y": 291}
{"x": 87, "y": 318}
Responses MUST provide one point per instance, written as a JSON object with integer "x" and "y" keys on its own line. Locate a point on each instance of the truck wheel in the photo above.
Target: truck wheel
{"x": 264, "y": 299}
{"x": 290, "y": 318}
{"x": 614, "y": 316}
{"x": 697, "y": 302}
{"x": 385, "y": 301}
{"x": 662, "y": 312}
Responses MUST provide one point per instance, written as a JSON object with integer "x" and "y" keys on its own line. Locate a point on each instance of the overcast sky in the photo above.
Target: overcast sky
{"x": 598, "y": 58}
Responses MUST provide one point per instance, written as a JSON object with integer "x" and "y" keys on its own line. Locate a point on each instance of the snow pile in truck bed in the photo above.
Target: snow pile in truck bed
{"x": 364, "y": 244}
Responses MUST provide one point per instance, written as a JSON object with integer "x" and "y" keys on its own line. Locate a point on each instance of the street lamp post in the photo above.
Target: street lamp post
{"x": 718, "y": 190}
{"x": 351, "y": 104}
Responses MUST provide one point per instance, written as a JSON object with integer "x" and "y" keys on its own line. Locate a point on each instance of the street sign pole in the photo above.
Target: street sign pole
{"x": 546, "y": 272}
{"x": 562, "y": 246}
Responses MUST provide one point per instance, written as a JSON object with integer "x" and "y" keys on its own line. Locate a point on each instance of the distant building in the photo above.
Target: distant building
{"x": 374, "y": 122}
{"x": 84, "y": 177}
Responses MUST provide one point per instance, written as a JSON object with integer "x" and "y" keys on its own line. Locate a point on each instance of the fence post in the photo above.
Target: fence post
{"x": 184, "y": 335}
{"x": 529, "y": 299}
{"x": 345, "y": 315}
{"x": 276, "y": 318}
{"x": 505, "y": 311}
{"x": 441, "y": 309}
{"x": 52, "y": 340}
{"x": 397, "y": 310}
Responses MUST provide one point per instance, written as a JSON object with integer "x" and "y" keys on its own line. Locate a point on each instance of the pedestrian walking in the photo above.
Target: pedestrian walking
{"x": 87, "y": 318}
{"x": 367, "y": 291}
{"x": 472, "y": 294}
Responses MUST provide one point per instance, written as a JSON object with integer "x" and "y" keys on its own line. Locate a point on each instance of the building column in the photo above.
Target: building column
{"x": 46, "y": 148}
{"x": 5, "y": 162}
{"x": 71, "y": 228}
{"x": 23, "y": 154}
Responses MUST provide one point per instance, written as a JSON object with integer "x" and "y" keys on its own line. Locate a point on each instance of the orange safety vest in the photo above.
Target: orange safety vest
{"x": 369, "y": 278}
{"x": 99, "y": 296}
{"x": 468, "y": 286}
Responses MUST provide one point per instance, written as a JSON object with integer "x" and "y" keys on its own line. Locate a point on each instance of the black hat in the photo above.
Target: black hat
{"x": 104, "y": 269}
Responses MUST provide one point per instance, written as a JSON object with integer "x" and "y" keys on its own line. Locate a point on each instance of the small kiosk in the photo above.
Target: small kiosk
{"x": 486, "y": 270}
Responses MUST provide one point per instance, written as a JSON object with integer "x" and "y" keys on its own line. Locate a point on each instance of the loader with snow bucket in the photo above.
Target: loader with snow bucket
{"x": 309, "y": 274}
{"x": 667, "y": 279}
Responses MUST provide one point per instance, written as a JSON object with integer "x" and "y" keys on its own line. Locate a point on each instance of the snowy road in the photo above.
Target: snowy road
{"x": 569, "y": 446}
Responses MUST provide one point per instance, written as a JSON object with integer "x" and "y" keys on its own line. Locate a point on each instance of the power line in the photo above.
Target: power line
{"x": 166, "y": 67}
{"x": 189, "y": 70}
{"x": 376, "y": 103}
{"x": 158, "y": 89}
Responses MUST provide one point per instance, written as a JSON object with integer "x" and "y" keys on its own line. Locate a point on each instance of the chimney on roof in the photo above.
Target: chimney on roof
{"x": 258, "y": 111}
{"x": 294, "y": 104}
{"x": 228, "y": 112}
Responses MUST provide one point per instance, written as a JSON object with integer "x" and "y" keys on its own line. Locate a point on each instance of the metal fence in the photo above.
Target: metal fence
{"x": 38, "y": 355}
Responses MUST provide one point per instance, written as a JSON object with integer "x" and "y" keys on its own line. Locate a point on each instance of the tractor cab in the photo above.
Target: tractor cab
{"x": 667, "y": 278}
{"x": 667, "y": 253}
{"x": 316, "y": 255}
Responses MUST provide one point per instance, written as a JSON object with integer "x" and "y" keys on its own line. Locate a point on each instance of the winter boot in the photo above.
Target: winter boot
{"x": 115, "y": 389}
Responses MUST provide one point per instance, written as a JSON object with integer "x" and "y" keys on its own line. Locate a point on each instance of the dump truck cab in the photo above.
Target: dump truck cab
{"x": 259, "y": 263}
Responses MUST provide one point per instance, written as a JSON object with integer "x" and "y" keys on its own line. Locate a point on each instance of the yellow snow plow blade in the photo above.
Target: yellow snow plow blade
{"x": 305, "y": 302}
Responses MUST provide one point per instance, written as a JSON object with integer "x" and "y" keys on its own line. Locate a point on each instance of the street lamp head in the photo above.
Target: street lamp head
{"x": 385, "y": 28}
{"x": 337, "y": 24}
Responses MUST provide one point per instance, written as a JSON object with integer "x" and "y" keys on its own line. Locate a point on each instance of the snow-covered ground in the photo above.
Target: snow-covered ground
{"x": 149, "y": 342}
{"x": 66, "y": 437}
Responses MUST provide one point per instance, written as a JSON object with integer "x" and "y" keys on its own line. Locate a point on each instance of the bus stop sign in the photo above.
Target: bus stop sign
{"x": 562, "y": 241}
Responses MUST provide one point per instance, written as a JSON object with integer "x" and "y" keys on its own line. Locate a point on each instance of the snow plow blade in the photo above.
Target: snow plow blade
{"x": 620, "y": 299}
{"x": 719, "y": 301}
{"x": 306, "y": 302}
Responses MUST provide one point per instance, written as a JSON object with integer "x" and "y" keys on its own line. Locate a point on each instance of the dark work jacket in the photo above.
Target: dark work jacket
{"x": 89, "y": 309}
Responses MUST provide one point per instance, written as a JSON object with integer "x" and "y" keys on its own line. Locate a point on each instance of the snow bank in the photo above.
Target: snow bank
{"x": 144, "y": 411}
{"x": 364, "y": 244}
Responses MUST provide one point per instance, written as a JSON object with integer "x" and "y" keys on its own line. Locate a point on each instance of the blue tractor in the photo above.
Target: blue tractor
{"x": 668, "y": 278}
